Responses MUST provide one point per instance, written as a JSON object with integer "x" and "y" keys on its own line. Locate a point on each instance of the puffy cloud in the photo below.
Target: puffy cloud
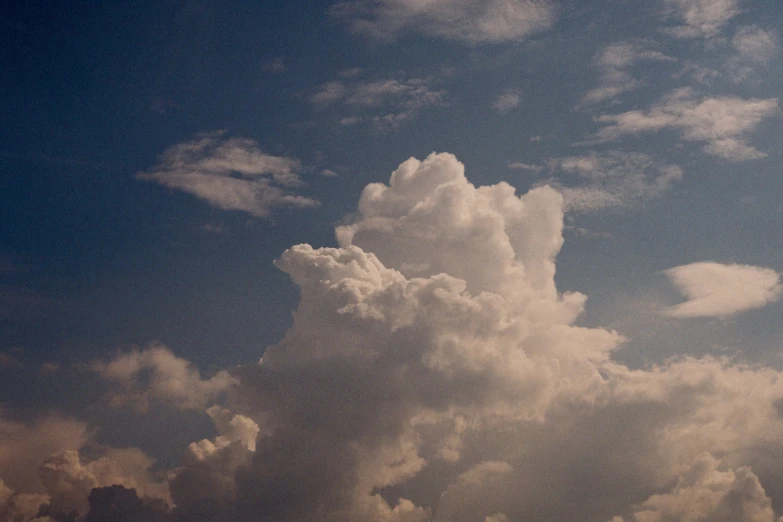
{"x": 704, "y": 494}
{"x": 434, "y": 371}
{"x": 26, "y": 445}
{"x": 721, "y": 290}
{"x": 613, "y": 180}
{"x": 507, "y": 100}
{"x": 231, "y": 174}
{"x": 386, "y": 103}
{"x": 614, "y": 61}
{"x": 69, "y": 481}
{"x": 468, "y": 21}
{"x": 155, "y": 373}
{"x": 721, "y": 122}
{"x": 702, "y": 18}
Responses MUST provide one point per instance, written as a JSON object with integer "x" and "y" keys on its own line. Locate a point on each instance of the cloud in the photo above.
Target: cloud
{"x": 387, "y": 103}
{"x": 434, "y": 371}
{"x": 703, "y": 493}
{"x": 721, "y": 122}
{"x": 26, "y": 445}
{"x": 613, "y": 180}
{"x": 525, "y": 166}
{"x": 754, "y": 48}
{"x": 508, "y": 100}
{"x": 155, "y": 373}
{"x": 702, "y": 18}
{"x": 468, "y": 21}
{"x": 614, "y": 61}
{"x": 720, "y": 290}
{"x": 231, "y": 174}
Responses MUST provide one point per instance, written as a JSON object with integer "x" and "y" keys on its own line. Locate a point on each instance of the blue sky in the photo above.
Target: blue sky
{"x": 158, "y": 158}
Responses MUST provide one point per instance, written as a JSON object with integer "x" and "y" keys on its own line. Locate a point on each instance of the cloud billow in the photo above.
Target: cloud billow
{"x": 434, "y": 372}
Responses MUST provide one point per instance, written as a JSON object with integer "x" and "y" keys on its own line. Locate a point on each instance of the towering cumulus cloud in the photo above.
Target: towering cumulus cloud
{"x": 434, "y": 372}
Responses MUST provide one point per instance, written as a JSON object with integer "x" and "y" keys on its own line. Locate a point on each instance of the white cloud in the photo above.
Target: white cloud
{"x": 155, "y": 373}
{"x": 387, "y": 102}
{"x": 612, "y": 180}
{"x": 721, "y": 122}
{"x": 434, "y": 371}
{"x": 614, "y": 62}
{"x": 508, "y": 100}
{"x": 231, "y": 174}
{"x": 468, "y": 21}
{"x": 720, "y": 290}
{"x": 702, "y": 18}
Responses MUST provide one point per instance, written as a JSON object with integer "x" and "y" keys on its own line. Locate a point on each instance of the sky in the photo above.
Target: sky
{"x": 391, "y": 261}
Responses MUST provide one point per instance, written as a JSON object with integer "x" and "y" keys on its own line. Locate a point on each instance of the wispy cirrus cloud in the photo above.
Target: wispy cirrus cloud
{"x": 231, "y": 174}
{"x": 614, "y": 62}
{"x": 385, "y": 103}
{"x": 701, "y": 18}
{"x": 722, "y": 122}
{"x": 468, "y": 21}
{"x": 611, "y": 180}
{"x": 754, "y": 48}
{"x": 720, "y": 290}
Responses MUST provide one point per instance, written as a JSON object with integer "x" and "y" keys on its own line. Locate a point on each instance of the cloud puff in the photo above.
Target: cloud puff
{"x": 702, "y": 18}
{"x": 386, "y": 103}
{"x": 719, "y": 290}
{"x": 721, "y": 122}
{"x": 507, "y": 100}
{"x": 155, "y": 373}
{"x": 468, "y": 21}
{"x": 231, "y": 174}
{"x": 614, "y": 62}
{"x": 754, "y": 48}
{"x": 613, "y": 180}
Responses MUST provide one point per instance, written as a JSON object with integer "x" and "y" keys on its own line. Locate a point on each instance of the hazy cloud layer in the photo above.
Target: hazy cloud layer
{"x": 231, "y": 174}
{"x": 385, "y": 103}
{"x": 615, "y": 62}
{"x": 612, "y": 180}
{"x": 469, "y": 21}
{"x": 702, "y": 18}
{"x": 720, "y": 290}
{"x": 434, "y": 372}
{"x": 722, "y": 122}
